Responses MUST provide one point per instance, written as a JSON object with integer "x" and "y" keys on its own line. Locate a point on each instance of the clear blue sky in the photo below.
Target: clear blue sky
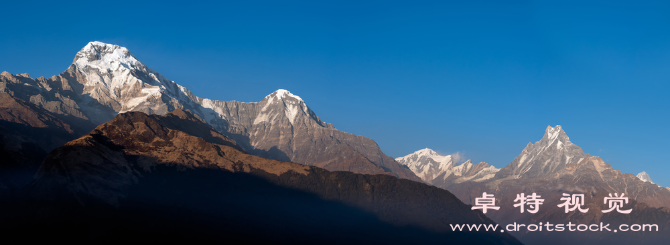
{"x": 482, "y": 78}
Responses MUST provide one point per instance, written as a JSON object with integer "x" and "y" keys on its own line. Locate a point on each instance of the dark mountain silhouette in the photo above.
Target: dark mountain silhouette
{"x": 27, "y": 134}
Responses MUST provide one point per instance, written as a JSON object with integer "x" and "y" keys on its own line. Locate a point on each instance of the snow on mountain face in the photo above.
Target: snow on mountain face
{"x": 114, "y": 78}
{"x": 553, "y": 152}
{"x": 105, "y": 80}
{"x": 434, "y": 168}
{"x": 281, "y": 93}
{"x": 291, "y": 105}
{"x": 108, "y": 65}
{"x": 426, "y": 163}
{"x": 470, "y": 172}
{"x": 105, "y": 57}
{"x": 644, "y": 177}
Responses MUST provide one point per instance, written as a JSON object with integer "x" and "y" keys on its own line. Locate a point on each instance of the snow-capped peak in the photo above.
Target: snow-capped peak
{"x": 429, "y": 165}
{"x": 105, "y": 57}
{"x": 644, "y": 177}
{"x": 553, "y": 132}
{"x": 552, "y": 153}
{"x": 283, "y": 93}
{"x": 292, "y": 105}
{"x": 556, "y": 135}
{"x": 111, "y": 74}
{"x": 426, "y": 163}
{"x": 426, "y": 152}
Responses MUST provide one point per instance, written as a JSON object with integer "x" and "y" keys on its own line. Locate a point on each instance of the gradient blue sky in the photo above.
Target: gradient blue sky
{"x": 482, "y": 78}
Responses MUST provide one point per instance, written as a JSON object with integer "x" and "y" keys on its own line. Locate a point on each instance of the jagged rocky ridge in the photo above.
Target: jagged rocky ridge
{"x": 104, "y": 80}
{"x": 174, "y": 178}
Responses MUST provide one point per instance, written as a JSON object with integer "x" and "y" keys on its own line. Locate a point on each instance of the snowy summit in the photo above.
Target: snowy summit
{"x": 283, "y": 93}
{"x": 644, "y": 177}
{"x": 105, "y": 57}
{"x": 426, "y": 163}
{"x": 434, "y": 168}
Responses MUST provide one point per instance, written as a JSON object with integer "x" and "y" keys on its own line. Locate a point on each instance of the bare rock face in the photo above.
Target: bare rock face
{"x": 58, "y": 99}
{"x": 174, "y": 174}
{"x": 13, "y": 110}
{"x": 106, "y": 79}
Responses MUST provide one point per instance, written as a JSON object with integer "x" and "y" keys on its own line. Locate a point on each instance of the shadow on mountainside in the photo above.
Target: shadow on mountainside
{"x": 22, "y": 150}
{"x": 213, "y": 205}
{"x": 139, "y": 178}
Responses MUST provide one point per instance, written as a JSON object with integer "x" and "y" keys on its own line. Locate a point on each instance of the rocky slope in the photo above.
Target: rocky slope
{"x": 174, "y": 178}
{"x": 104, "y": 80}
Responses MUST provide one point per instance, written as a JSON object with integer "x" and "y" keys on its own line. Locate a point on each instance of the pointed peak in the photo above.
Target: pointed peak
{"x": 644, "y": 177}
{"x": 283, "y": 93}
{"x": 554, "y": 132}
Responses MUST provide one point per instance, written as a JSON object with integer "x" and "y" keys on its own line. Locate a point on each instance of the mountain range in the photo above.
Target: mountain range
{"x": 105, "y": 79}
{"x": 111, "y": 151}
{"x": 110, "y": 147}
{"x": 434, "y": 168}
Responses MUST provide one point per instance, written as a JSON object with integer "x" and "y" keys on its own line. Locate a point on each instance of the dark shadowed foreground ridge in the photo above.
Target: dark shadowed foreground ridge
{"x": 175, "y": 178}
